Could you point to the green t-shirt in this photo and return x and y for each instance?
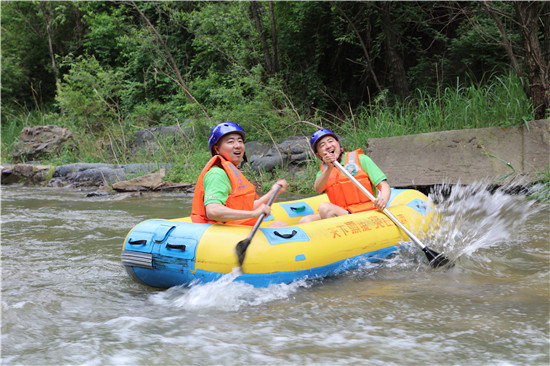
(217, 186)
(376, 175)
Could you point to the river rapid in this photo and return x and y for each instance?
(66, 299)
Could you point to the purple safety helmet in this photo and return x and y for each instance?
(319, 134)
(222, 129)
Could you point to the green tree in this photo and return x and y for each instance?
(310, 60)
(34, 37)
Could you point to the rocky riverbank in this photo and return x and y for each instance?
(498, 154)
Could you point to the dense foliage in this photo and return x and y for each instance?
(107, 69)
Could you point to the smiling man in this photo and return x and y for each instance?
(222, 193)
(344, 196)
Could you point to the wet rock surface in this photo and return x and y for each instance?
(38, 141)
(292, 151)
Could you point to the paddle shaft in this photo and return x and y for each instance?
(388, 213)
(243, 244)
(262, 216)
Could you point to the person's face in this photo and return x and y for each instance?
(328, 145)
(231, 147)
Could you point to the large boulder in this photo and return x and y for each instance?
(26, 173)
(86, 174)
(144, 183)
(152, 182)
(292, 151)
(35, 142)
(152, 139)
(149, 141)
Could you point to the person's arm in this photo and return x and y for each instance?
(320, 184)
(265, 198)
(379, 179)
(383, 197)
(221, 213)
(217, 188)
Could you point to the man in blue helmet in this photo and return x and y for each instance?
(222, 193)
(344, 196)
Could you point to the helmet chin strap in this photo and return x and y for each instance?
(223, 156)
(341, 155)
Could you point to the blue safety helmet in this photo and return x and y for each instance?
(319, 134)
(222, 129)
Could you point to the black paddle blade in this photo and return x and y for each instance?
(240, 249)
(436, 259)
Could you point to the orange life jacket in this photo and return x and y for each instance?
(241, 197)
(342, 192)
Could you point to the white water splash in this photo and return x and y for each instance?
(225, 294)
(473, 218)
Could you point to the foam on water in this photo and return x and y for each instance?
(67, 300)
(225, 294)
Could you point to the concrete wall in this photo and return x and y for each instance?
(464, 156)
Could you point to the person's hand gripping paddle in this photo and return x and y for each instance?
(243, 244)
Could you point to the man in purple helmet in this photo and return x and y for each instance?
(222, 193)
(344, 196)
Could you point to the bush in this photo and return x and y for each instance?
(90, 95)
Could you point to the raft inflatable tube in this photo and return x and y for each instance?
(166, 253)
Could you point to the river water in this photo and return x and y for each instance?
(66, 299)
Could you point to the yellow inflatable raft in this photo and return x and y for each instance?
(166, 253)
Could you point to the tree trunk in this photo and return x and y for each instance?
(362, 42)
(260, 28)
(546, 22)
(191, 99)
(395, 61)
(47, 15)
(536, 65)
(506, 43)
(274, 38)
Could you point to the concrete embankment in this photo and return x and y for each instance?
(497, 154)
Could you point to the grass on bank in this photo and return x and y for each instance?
(500, 103)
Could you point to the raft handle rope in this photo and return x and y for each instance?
(175, 246)
(286, 236)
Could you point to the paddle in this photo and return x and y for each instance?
(243, 244)
(436, 259)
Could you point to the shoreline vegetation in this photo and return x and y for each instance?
(107, 71)
(500, 103)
